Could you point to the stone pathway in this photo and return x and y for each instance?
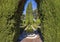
(36, 38)
(24, 38)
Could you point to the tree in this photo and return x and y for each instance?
(29, 18)
(29, 14)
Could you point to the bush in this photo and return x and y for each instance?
(29, 29)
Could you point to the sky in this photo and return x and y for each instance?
(34, 5)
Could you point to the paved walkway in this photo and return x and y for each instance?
(24, 38)
(32, 39)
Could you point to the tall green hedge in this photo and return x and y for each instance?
(49, 11)
(7, 9)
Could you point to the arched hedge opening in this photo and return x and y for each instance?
(10, 14)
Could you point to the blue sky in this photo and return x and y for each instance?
(34, 5)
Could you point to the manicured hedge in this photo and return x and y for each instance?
(50, 17)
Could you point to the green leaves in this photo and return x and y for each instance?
(50, 14)
(30, 17)
(7, 8)
(29, 29)
(29, 14)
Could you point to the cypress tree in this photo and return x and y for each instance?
(29, 14)
(29, 18)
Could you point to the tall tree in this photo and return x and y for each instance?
(29, 18)
(29, 14)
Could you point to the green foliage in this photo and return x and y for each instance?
(30, 17)
(29, 14)
(50, 12)
(7, 8)
(38, 22)
(29, 29)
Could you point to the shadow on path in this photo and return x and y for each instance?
(40, 33)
